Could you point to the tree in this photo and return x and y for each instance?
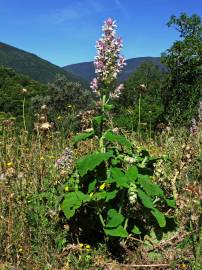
(184, 63)
(11, 85)
(63, 93)
(151, 102)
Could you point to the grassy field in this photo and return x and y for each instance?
(34, 234)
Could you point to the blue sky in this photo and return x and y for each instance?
(65, 31)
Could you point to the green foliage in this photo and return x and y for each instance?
(104, 179)
(11, 85)
(63, 93)
(73, 201)
(65, 100)
(91, 161)
(183, 86)
(82, 137)
(111, 137)
(151, 101)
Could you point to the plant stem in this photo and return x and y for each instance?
(150, 127)
(101, 219)
(139, 119)
(101, 141)
(23, 113)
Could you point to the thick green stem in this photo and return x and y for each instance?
(101, 141)
(101, 219)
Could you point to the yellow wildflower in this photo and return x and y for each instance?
(42, 158)
(102, 186)
(66, 188)
(87, 247)
(9, 164)
(81, 245)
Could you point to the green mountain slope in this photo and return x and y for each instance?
(86, 70)
(31, 65)
(11, 85)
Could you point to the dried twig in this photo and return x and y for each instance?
(139, 265)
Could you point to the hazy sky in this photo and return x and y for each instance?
(65, 31)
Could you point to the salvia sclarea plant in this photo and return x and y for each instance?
(111, 190)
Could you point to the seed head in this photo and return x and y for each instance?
(24, 91)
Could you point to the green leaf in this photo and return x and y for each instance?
(111, 195)
(160, 217)
(110, 136)
(72, 201)
(98, 119)
(114, 218)
(91, 186)
(132, 173)
(146, 200)
(150, 188)
(82, 136)
(136, 230)
(117, 232)
(108, 106)
(119, 177)
(91, 161)
(100, 196)
(171, 203)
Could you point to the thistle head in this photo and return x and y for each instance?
(24, 91)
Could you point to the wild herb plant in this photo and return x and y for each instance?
(111, 189)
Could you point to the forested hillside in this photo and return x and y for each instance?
(31, 65)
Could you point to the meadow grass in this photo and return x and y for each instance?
(34, 233)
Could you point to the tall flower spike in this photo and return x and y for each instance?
(108, 61)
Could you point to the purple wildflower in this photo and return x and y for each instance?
(65, 161)
(108, 61)
(200, 111)
(193, 128)
(116, 94)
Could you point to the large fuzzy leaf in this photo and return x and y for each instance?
(91, 161)
(119, 177)
(117, 232)
(120, 139)
(104, 195)
(160, 217)
(72, 201)
(150, 188)
(114, 218)
(132, 173)
(145, 199)
(82, 136)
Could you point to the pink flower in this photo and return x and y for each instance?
(193, 128)
(108, 61)
(200, 111)
(118, 91)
